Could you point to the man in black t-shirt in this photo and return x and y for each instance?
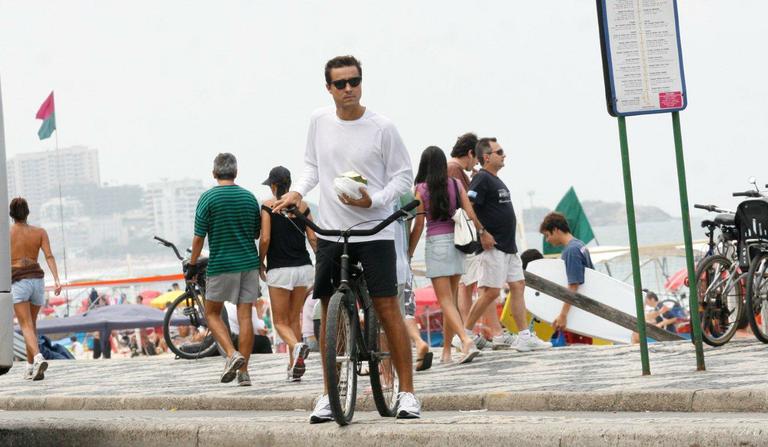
(499, 261)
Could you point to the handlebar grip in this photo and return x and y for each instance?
(410, 206)
(702, 207)
(161, 240)
(746, 194)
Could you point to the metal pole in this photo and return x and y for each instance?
(693, 299)
(61, 220)
(6, 303)
(634, 255)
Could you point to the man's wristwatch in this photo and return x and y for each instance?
(480, 231)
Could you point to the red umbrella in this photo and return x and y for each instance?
(57, 301)
(425, 296)
(677, 280)
(149, 294)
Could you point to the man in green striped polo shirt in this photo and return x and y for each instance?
(229, 216)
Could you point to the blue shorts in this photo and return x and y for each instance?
(29, 290)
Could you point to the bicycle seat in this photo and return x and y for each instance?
(725, 219)
(202, 263)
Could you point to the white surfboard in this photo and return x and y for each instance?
(598, 286)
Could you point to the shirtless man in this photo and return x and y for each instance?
(27, 281)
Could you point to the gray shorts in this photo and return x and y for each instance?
(237, 288)
(442, 257)
(30, 290)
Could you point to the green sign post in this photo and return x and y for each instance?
(643, 74)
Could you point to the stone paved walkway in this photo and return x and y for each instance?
(738, 366)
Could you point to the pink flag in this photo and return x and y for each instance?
(46, 109)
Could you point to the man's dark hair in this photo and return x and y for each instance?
(554, 220)
(19, 209)
(652, 296)
(529, 256)
(464, 144)
(483, 147)
(339, 62)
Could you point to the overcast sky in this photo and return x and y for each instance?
(160, 87)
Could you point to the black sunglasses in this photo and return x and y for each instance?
(499, 152)
(342, 83)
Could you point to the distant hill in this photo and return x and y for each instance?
(600, 213)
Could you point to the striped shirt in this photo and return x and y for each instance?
(229, 216)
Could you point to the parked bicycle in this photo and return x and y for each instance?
(185, 328)
(752, 225)
(353, 334)
(721, 283)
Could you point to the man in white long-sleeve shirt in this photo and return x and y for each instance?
(349, 137)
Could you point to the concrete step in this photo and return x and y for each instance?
(444, 429)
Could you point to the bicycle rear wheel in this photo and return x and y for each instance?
(757, 297)
(720, 300)
(186, 330)
(341, 359)
(384, 380)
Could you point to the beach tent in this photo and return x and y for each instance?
(106, 319)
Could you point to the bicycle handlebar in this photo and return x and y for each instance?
(747, 194)
(710, 208)
(170, 245)
(402, 212)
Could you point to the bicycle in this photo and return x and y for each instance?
(187, 313)
(752, 224)
(349, 341)
(720, 279)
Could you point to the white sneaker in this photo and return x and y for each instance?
(322, 412)
(408, 407)
(300, 352)
(456, 341)
(481, 342)
(504, 341)
(532, 343)
(28, 372)
(38, 367)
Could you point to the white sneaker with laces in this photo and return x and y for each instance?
(504, 341)
(408, 407)
(28, 372)
(38, 367)
(322, 412)
(532, 343)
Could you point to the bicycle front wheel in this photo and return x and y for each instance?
(185, 328)
(341, 359)
(720, 300)
(757, 297)
(384, 380)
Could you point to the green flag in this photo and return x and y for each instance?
(580, 229)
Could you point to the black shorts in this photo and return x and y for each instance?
(379, 266)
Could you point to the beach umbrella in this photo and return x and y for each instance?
(149, 294)
(677, 280)
(165, 298)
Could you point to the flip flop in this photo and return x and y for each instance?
(469, 356)
(425, 362)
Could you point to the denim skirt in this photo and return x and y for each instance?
(442, 257)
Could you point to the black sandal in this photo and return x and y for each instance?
(425, 362)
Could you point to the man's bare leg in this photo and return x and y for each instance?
(517, 304)
(246, 332)
(388, 310)
(487, 296)
(217, 326)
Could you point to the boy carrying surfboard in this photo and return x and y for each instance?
(576, 256)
